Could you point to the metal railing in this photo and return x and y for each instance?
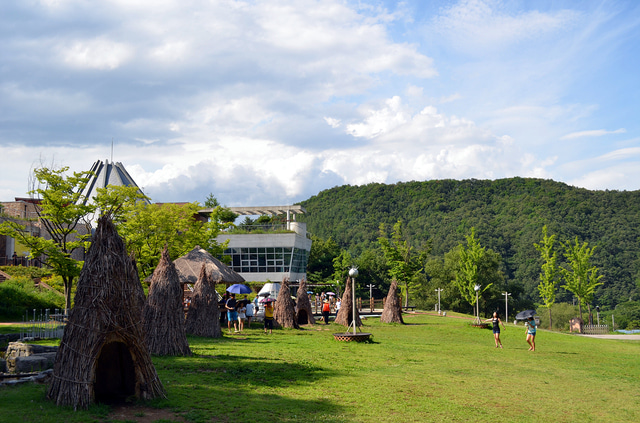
(44, 325)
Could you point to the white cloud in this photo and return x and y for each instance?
(98, 53)
(592, 133)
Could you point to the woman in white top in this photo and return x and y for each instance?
(242, 314)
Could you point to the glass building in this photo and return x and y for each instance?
(271, 252)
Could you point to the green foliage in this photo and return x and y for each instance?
(626, 315)
(475, 269)
(19, 294)
(549, 275)
(323, 252)
(581, 277)
(562, 312)
(404, 263)
(507, 215)
(26, 271)
(61, 209)
(147, 228)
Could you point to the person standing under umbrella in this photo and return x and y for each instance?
(268, 316)
(531, 333)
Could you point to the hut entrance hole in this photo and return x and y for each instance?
(115, 374)
(303, 319)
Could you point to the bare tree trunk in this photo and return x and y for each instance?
(406, 297)
(550, 326)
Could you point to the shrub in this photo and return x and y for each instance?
(26, 271)
(627, 315)
(19, 295)
(561, 313)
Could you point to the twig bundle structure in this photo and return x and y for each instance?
(203, 316)
(163, 317)
(103, 356)
(392, 312)
(304, 313)
(345, 314)
(284, 312)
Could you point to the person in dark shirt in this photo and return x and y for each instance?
(496, 328)
(232, 314)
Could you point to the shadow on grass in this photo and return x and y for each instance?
(233, 388)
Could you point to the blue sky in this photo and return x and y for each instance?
(265, 102)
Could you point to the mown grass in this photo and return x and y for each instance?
(432, 369)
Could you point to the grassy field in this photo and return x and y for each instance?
(432, 369)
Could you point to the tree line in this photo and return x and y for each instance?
(507, 217)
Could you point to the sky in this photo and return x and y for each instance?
(270, 102)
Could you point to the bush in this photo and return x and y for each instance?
(561, 313)
(28, 271)
(19, 295)
(627, 315)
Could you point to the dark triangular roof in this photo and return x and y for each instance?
(189, 266)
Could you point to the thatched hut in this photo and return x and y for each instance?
(304, 314)
(284, 312)
(392, 312)
(345, 315)
(203, 316)
(163, 316)
(103, 356)
(188, 267)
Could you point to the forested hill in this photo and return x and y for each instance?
(508, 215)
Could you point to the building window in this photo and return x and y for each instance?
(268, 259)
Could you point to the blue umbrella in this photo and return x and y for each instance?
(238, 288)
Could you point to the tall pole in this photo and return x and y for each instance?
(371, 290)
(439, 290)
(353, 272)
(506, 305)
(477, 289)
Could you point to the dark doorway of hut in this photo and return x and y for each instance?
(303, 319)
(115, 380)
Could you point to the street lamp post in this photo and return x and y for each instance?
(598, 314)
(506, 305)
(477, 288)
(439, 290)
(353, 272)
(371, 303)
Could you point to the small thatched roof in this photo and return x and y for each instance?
(189, 266)
(102, 354)
(345, 315)
(203, 315)
(392, 312)
(284, 312)
(163, 316)
(303, 305)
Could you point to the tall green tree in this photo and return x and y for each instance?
(320, 267)
(404, 261)
(61, 210)
(147, 228)
(549, 274)
(581, 277)
(477, 266)
(341, 266)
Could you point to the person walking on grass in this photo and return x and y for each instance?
(268, 317)
(531, 333)
(326, 311)
(242, 315)
(496, 328)
(232, 314)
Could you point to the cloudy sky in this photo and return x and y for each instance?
(269, 102)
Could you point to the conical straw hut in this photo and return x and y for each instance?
(392, 312)
(345, 314)
(163, 316)
(103, 356)
(203, 316)
(188, 267)
(303, 305)
(284, 312)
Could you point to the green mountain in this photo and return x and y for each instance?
(508, 215)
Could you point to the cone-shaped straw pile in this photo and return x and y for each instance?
(102, 354)
(163, 317)
(203, 316)
(392, 312)
(305, 314)
(284, 312)
(345, 314)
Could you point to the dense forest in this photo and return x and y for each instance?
(508, 216)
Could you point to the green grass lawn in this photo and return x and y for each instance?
(432, 369)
